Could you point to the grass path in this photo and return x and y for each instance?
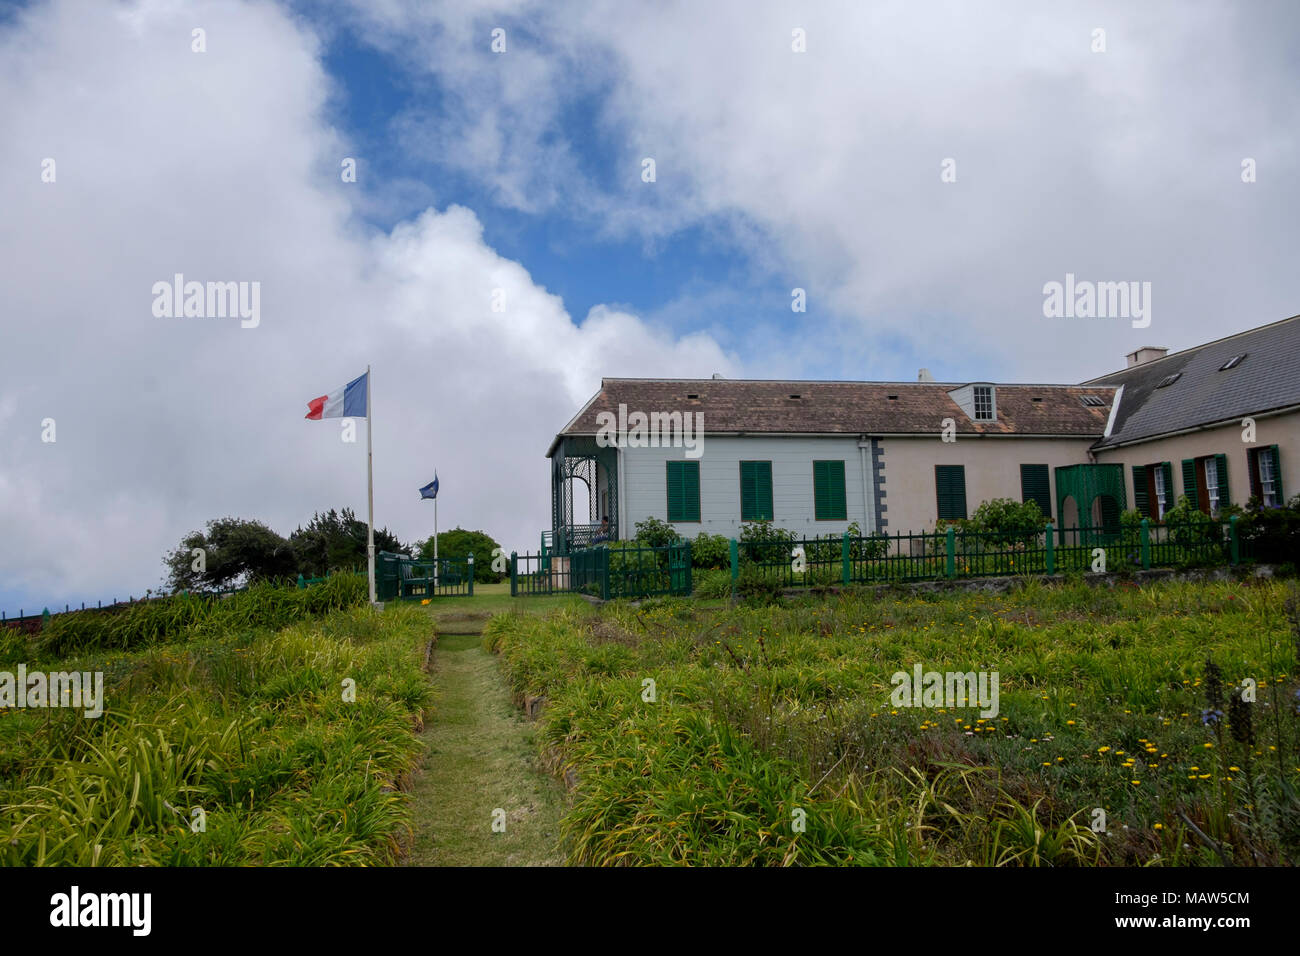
(480, 756)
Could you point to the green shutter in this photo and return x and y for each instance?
(691, 490)
(1221, 469)
(1140, 498)
(755, 490)
(683, 491)
(1189, 481)
(1035, 485)
(1277, 474)
(829, 499)
(950, 487)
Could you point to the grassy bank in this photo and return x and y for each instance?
(769, 734)
(238, 747)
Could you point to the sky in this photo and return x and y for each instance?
(920, 170)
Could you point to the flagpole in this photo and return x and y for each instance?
(435, 540)
(370, 490)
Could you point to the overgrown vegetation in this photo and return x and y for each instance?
(182, 616)
(238, 748)
(769, 734)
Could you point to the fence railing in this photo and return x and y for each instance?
(605, 571)
(399, 578)
(954, 553)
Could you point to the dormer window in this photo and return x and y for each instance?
(983, 403)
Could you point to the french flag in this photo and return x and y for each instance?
(346, 401)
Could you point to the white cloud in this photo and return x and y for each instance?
(222, 166)
(1122, 165)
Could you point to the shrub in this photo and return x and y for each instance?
(1192, 531)
(1273, 533)
(711, 551)
(1007, 521)
(653, 533)
(762, 541)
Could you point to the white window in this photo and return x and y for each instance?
(1267, 481)
(984, 403)
(1160, 492)
(1212, 484)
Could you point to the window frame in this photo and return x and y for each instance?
(975, 404)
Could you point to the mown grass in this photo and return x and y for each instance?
(772, 739)
(249, 726)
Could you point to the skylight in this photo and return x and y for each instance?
(1169, 380)
(1232, 362)
(1093, 401)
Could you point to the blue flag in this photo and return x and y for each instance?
(431, 489)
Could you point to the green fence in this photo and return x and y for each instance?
(399, 578)
(953, 553)
(617, 570)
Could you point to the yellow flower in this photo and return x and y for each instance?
(1102, 750)
(1159, 826)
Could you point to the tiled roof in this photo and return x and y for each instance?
(875, 408)
(1268, 378)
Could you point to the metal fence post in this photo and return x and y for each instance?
(1235, 543)
(471, 573)
(1051, 550)
(604, 573)
(1144, 536)
(845, 565)
(735, 565)
(951, 544)
(514, 574)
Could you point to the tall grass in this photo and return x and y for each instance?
(184, 615)
(245, 731)
(760, 712)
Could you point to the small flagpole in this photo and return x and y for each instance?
(435, 538)
(370, 490)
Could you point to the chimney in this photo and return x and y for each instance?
(717, 375)
(1147, 353)
(924, 375)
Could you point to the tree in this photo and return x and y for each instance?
(337, 540)
(233, 551)
(458, 543)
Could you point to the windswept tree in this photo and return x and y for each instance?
(230, 552)
(336, 540)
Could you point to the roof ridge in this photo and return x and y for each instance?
(1192, 349)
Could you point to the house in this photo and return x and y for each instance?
(894, 457)
(1219, 423)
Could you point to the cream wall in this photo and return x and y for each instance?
(1281, 430)
(992, 471)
